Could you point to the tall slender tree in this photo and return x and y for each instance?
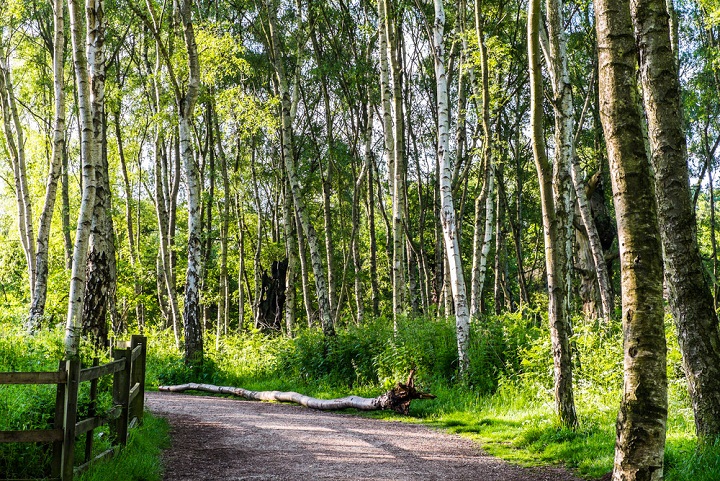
(448, 216)
(289, 162)
(641, 423)
(39, 298)
(89, 153)
(690, 297)
(15, 142)
(552, 199)
(186, 107)
(99, 296)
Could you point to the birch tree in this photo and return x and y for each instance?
(289, 162)
(552, 198)
(14, 139)
(447, 215)
(99, 297)
(186, 107)
(641, 423)
(39, 298)
(89, 153)
(392, 116)
(690, 296)
(482, 237)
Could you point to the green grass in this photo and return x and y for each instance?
(29, 407)
(140, 459)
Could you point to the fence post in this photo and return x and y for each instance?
(57, 456)
(121, 390)
(70, 418)
(92, 410)
(138, 376)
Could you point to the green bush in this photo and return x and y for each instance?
(345, 360)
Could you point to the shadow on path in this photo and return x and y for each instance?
(228, 439)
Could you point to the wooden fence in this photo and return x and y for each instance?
(128, 394)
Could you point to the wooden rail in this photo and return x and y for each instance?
(128, 391)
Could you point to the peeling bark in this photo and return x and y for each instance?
(89, 153)
(37, 308)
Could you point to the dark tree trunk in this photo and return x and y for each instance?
(690, 299)
(272, 297)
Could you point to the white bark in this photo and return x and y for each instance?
(399, 190)
(186, 107)
(397, 399)
(89, 152)
(452, 244)
(482, 246)
(99, 297)
(168, 279)
(482, 238)
(16, 146)
(553, 201)
(292, 257)
(39, 297)
(288, 157)
(392, 127)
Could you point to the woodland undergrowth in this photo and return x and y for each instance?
(504, 400)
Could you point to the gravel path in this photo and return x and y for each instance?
(224, 439)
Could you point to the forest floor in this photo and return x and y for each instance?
(225, 439)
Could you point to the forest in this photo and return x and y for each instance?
(516, 199)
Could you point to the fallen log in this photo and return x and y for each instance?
(397, 399)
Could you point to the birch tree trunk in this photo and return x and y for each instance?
(691, 301)
(39, 297)
(370, 201)
(101, 275)
(288, 157)
(399, 190)
(15, 142)
(595, 245)
(367, 120)
(186, 106)
(165, 195)
(65, 210)
(161, 202)
(452, 243)
(564, 144)
(132, 242)
(482, 238)
(291, 251)
(89, 152)
(257, 268)
(555, 258)
(223, 318)
(640, 442)
(565, 149)
(326, 173)
(386, 51)
(304, 275)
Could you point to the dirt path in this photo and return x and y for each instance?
(227, 439)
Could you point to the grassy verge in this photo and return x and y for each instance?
(28, 407)
(140, 459)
